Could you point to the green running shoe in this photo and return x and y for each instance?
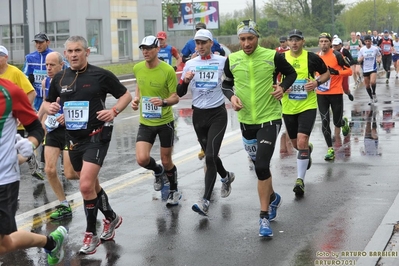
(299, 188)
(330, 155)
(345, 128)
(56, 255)
(61, 212)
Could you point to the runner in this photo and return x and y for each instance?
(386, 46)
(300, 102)
(203, 75)
(337, 45)
(154, 95)
(166, 51)
(395, 55)
(82, 90)
(257, 101)
(14, 104)
(329, 94)
(354, 47)
(369, 57)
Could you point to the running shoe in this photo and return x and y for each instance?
(387, 81)
(59, 236)
(264, 228)
(330, 155)
(201, 207)
(273, 207)
(41, 166)
(226, 184)
(109, 228)
(345, 128)
(375, 98)
(34, 168)
(173, 198)
(201, 154)
(158, 182)
(90, 244)
(371, 102)
(299, 188)
(61, 212)
(310, 156)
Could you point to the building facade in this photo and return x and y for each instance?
(113, 28)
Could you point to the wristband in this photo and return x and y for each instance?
(319, 82)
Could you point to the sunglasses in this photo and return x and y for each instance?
(147, 48)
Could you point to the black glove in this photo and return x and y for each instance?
(175, 68)
(333, 71)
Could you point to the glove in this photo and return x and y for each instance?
(175, 68)
(333, 71)
(23, 146)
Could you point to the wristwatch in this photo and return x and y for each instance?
(164, 103)
(319, 82)
(116, 111)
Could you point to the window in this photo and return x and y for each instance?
(57, 32)
(149, 27)
(94, 36)
(17, 37)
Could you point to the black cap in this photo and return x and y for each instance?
(200, 25)
(283, 39)
(367, 37)
(386, 31)
(295, 33)
(41, 37)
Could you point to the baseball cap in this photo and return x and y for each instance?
(248, 26)
(358, 34)
(367, 37)
(200, 25)
(335, 36)
(162, 35)
(325, 35)
(41, 37)
(150, 40)
(386, 31)
(3, 51)
(295, 33)
(336, 41)
(369, 31)
(203, 35)
(283, 39)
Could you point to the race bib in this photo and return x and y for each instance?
(325, 86)
(298, 91)
(51, 122)
(250, 147)
(148, 110)
(386, 48)
(76, 114)
(39, 75)
(206, 77)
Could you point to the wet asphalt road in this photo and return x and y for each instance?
(344, 204)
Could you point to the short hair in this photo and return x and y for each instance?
(77, 38)
(59, 56)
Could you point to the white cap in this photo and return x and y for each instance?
(336, 41)
(358, 34)
(335, 36)
(3, 50)
(150, 41)
(203, 35)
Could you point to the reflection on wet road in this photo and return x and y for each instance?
(344, 203)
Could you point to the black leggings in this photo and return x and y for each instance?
(386, 62)
(210, 126)
(266, 136)
(336, 102)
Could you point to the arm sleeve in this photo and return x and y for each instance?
(53, 92)
(186, 50)
(316, 64)
(228, 82)
(182, 88)
(21, 107)
(285, 68)
(348, 54)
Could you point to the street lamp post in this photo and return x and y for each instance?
(375, 22)
(254, 10)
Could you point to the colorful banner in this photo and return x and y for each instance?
(190, 14)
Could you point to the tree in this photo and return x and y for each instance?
(360, 16)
